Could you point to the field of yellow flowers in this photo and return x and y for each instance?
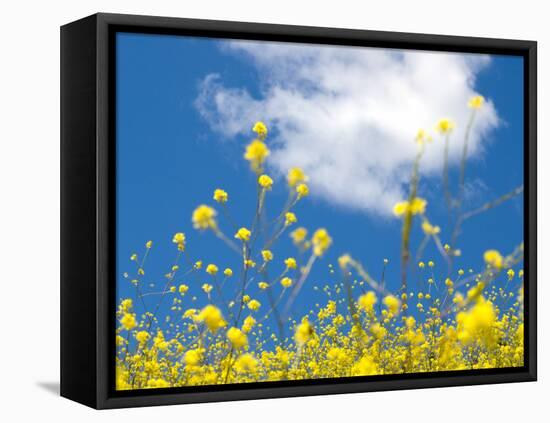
(242, 332)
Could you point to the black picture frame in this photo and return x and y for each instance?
(88, 209)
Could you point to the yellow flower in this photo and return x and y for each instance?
(243, 234)
(193, 357)
(128, 321)
(298, 235)
(237, 338)
(221, 196)
(256, 152)
(126, 305)
(142, 336)
(418, 205)
(421, 264)
(401, 208)
(183, 289)
(476, 102)
(296, 176)
(291, 263)
(302, 190)
(476, 323)
(445, 125)
(260, 129)
(254, 305)
(286, 282)
(212, 318)
(198, 265)
(267, 255)
(248, 324)
(422, 136)
(365, 367)
(246, 363)
(263, 285)
(207, 288)
(290, 218)
(344, 260)
(304, 332)
(430, 229)
(148, 244)
(179, 239)
(392, 303)
(265, 182)
(378, 330)
(212, 269)
(321, 241)
(249, 263)
(134, 257)
(367, 301)
(511, 274)
(228, 272)
(204, 217)
(494, 259)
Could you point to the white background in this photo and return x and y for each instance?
(29, 231)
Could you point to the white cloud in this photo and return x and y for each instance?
(348, 116)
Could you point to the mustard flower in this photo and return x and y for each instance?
(256, 152)
(321, 241)
(298, 235)
(304, 332)
(260, 129)
(204, 217)
(290, 218)
(212, 318)
(291, 263)
(445, 126)
(267, 255)
(392, 303)
(198, 265)
(248, 324)
(422, 137)
(254, 305)
(263, 285)
(265, 182)
(493, 258)
(249, 263)
(296, 176)
(142, 336)
(221, 196)
(286, 282)
(228, 272)
(237, 338)
(302, 190)
(128, 321)
(367, 301)
(430, 229)
(193, 357)
(476, 102)
(246, 363)
(243, 234)
(183, 289)
(207, 288)
(212, 269)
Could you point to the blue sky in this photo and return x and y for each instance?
(170, 158)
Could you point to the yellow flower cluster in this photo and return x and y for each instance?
(219, 332)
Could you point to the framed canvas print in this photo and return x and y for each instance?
(256, 211)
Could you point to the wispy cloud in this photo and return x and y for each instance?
(348, 116)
